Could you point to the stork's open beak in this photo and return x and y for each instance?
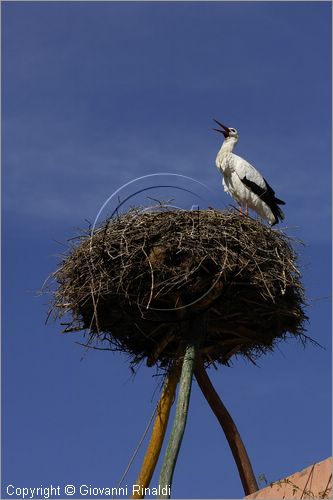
(225, 131)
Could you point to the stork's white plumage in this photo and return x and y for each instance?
(243, 182)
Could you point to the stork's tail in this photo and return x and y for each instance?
(280, 213)
(277, 212)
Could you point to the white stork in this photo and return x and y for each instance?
(243, 182)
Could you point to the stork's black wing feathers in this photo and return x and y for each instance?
(270, 190)
(267, 195)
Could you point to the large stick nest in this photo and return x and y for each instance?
(138, 281)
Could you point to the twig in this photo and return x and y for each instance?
(136, 451)
(152, 359)
(152, 279)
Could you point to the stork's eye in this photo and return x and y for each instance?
(233, 130)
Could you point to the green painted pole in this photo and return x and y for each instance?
(171, 454)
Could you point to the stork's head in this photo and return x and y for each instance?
(226, 131)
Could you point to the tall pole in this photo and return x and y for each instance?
(158, 432)
(229, 427)
(196, 332)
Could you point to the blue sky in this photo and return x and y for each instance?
(94, 95)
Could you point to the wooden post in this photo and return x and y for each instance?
(158, 432)
(229, 427)
(196, 332)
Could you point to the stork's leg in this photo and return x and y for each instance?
(240, 210)
(246, 209)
